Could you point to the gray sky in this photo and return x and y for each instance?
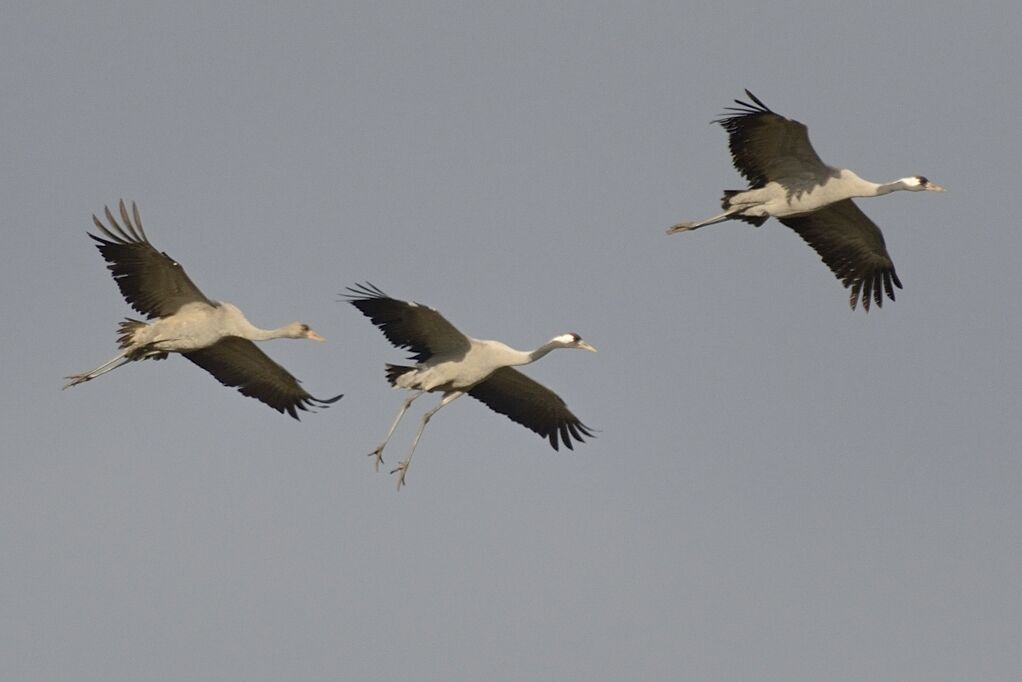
(781, 489)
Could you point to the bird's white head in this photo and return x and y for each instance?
(917, 183)
(299, 330)
(571, 340)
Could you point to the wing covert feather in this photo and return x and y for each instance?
(152, 282)
(420, 329)
(239, 363)
(853, 248)
(531, 404)
(766, 146)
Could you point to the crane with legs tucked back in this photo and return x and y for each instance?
(212, 334)
(787, 180)
(451, 363)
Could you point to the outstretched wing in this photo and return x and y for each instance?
(853, 248)
(419, 328)
(766, 146)
(238, 362)
(151, 281)
(532, 405)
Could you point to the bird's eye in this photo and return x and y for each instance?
(922, 180)
(305, 327)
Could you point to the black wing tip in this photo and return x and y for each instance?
(131, 233)
(386, 313)
(897, 282)
(732, 116)
(871, 289)
(758, 102)
(307, 404)
(567, 433)
(362, 291)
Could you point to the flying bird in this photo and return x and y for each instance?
(788, 181)
(212, 334)
(451, 363)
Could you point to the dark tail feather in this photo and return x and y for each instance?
(395, 371)
(725, 203)
(127, 330)
(752, 220)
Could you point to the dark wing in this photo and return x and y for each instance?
(152, 282)
(419, 328)
(532, 405)
(235, 361)
(853, 247)
(766, 146)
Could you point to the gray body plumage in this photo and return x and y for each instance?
(212, 334)
(788, 181)
(451, 363)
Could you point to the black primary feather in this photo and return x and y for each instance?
(857, 257)
(531, 404)
(237, 362)
(420, 329)
(152, 282)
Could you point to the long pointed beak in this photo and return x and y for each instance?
(314, 336)
(934, 187)
(585, 346)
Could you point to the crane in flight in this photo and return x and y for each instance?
(212, 334)
(453, 364)
(787, 180)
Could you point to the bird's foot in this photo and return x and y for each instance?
(401, 467)
(378, 454)
(76, 379)
(681, 227)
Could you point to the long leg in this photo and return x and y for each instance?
(108, 366)
(378, 452)
(403, 465)
(683, 227)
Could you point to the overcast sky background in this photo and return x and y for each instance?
(781, 488)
